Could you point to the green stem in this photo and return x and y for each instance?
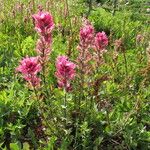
(43, 71)
(65, 103)
(114, 7)
(70, 24)
(41, 109)
(126, 66)
(90, 7)
(107, 117)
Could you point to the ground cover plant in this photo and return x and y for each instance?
(74, 75)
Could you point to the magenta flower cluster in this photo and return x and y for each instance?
(88, 38)
(30, 67)
(86, 34)
(43, 25)
(65, 72)
(101, 41)
(91, 47)
(65, 69)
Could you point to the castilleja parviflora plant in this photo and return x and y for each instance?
(35, 69)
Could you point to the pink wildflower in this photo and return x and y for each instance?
(85, 45)
(44, 25)
(43, 22)
(65, 72)
(30, 67)
(43, 50)
(86, 34)
(101, 40)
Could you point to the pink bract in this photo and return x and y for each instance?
(43, 48)
(65, 71)
(29, 67)
(33, 80)
(101, 40)
(44, 25)
(87, 33)
(43, 22)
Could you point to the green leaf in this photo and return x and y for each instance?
(14, 146)
(26, 146)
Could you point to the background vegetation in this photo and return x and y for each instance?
(114, 111)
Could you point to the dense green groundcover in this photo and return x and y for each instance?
(107, 109)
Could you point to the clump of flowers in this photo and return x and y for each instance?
(86, 34)
(91, 47)
(30, 67)
(65, 72)
(101, 41)
(43, 25)
(85, 44)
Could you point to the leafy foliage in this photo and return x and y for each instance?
(108, 109)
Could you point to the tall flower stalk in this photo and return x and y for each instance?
(43, 25)
(86, 36)
(65, 72)
(91, 49)
(101, 41)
